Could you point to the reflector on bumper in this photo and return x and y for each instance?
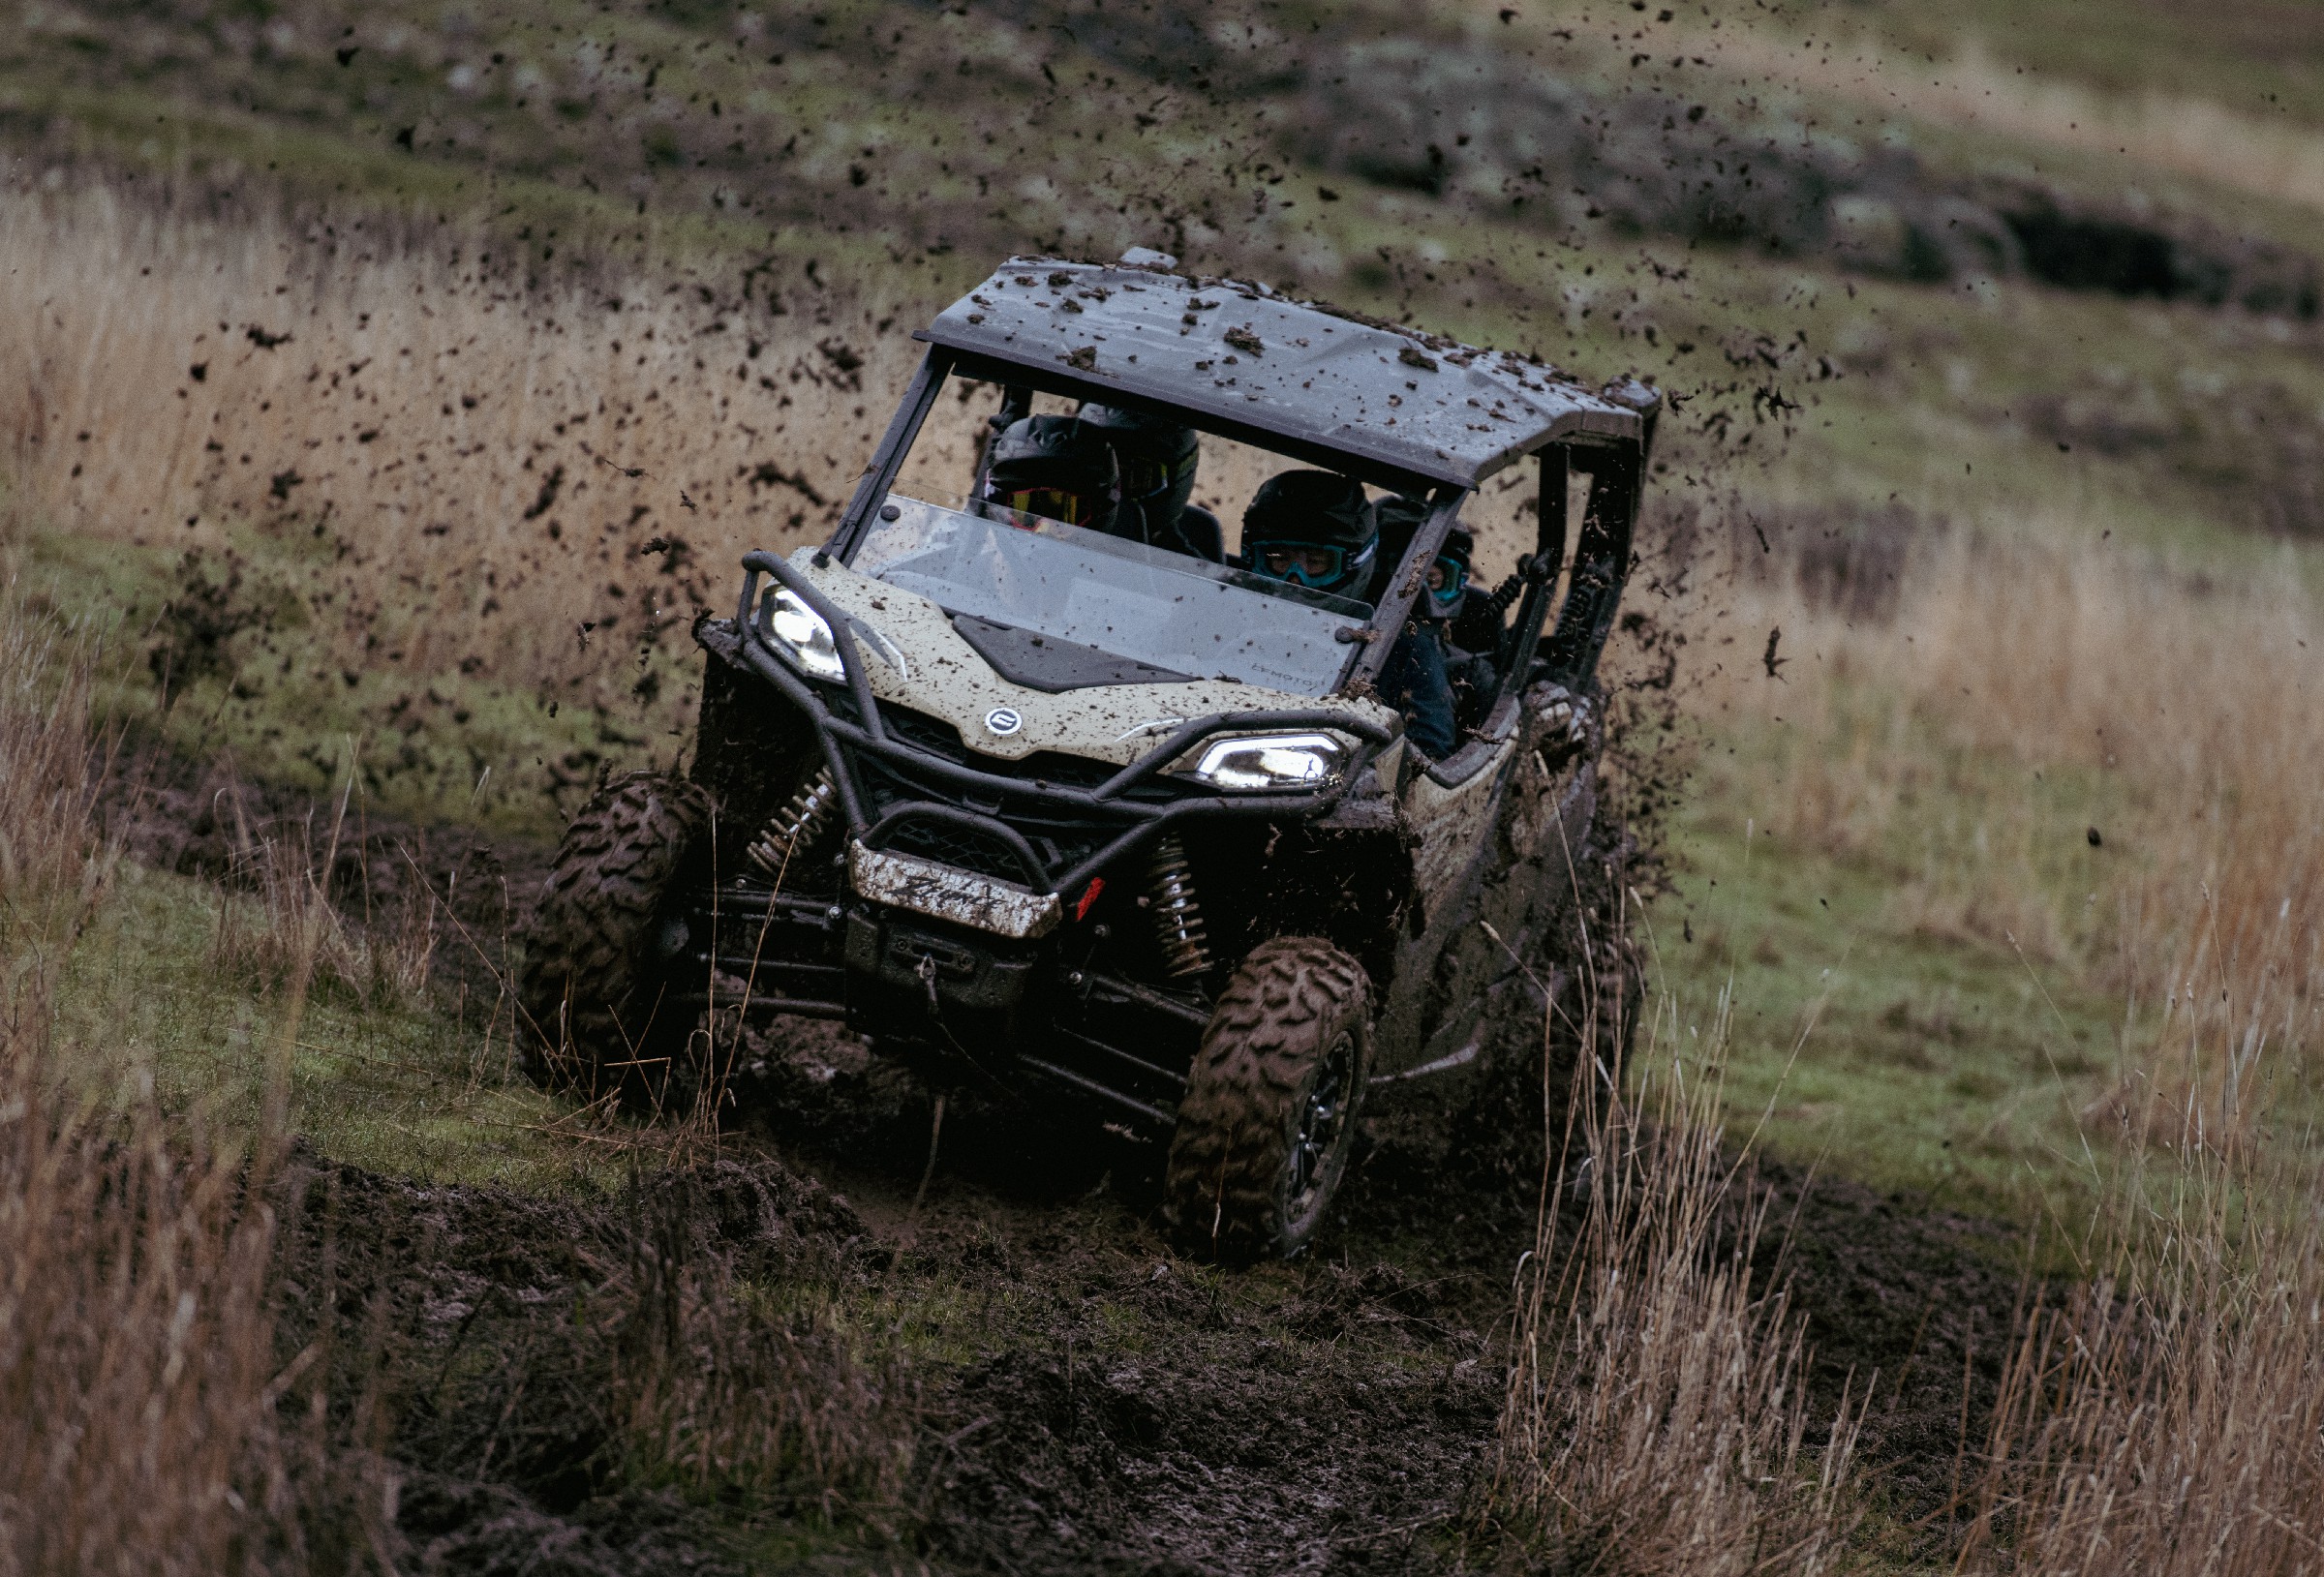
(983, 903)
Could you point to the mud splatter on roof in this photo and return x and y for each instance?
(1241, 354)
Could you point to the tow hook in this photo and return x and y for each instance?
(927, 971)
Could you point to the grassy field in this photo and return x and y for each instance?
(388, 387)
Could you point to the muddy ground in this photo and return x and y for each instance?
(1066, 1394)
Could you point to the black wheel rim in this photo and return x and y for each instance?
(1323, 1123)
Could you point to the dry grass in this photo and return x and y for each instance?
(49, 853)
(1975, 91)
(718, 1386)
(1656, 1419)
(450, 470)
(370, 437)
(278, 925)
(143, 1425)
(2183, 704)
(2165, 1418)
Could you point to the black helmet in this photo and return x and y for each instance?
(1158, 459)
(1397, 516)
(1058, 468)
(1313, 527)
(1444, 582)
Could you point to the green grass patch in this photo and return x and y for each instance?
(1920, 1004)
(425, 1090)
(250, 679)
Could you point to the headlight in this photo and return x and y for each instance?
(1270, 761)
(803, 636)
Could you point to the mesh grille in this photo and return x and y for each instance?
(961, 846)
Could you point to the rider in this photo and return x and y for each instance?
(1060, 468)
(1466, 621)
(1314, 528)
(1158, 458)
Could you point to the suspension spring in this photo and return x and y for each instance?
(1178, 913)
(794, 829)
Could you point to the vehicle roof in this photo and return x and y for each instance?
(1246, 357)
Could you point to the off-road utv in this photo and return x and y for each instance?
(1124, 830)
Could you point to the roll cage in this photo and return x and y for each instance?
(1614, 465)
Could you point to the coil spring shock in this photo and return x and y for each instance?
(1178, 913)
(791, 830)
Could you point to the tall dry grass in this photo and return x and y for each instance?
(449, 468)
(715, 1382)
(2187, 708)
(143, 1425)
(2164, 1417)
(1656, 1419)
(279, 927)
(383, 438)
(2160, 1417)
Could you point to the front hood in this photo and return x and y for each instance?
(914, 658)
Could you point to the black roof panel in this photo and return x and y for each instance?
(1246, 356)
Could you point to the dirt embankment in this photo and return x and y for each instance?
(1054, 1390)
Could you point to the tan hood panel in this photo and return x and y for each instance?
(943, 677)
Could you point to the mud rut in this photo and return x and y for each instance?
(1081, 1400)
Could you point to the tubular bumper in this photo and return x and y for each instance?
(844, 738)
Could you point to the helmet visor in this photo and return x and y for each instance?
(1052, 504)
(1308, 563)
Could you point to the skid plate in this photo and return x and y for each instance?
(965, 897)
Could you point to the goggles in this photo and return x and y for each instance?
(1448, 580)
(1320, 565)
(1052, 504)
(1143, 477)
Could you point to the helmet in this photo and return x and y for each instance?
(1398, 516)
(1313, 527)
(1158, 458)
(1058, 468)
(1445, 581)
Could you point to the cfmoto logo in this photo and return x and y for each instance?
(1003, 721)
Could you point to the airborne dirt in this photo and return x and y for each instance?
(1065, 1393)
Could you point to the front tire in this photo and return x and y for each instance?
(1269, 1119)
(609, 921)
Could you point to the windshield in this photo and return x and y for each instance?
(1165, 609)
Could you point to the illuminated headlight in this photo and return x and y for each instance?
(801, 635)
(1270, 761)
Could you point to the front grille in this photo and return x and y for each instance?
(965, 847)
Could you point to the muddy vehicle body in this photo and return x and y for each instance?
(1124, 830)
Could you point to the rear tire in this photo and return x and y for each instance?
(1269, 1120)
(609, 922)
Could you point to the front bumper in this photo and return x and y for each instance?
(888, 782)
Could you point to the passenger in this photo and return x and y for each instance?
(1469, 622)
(1478, 622)
(1058, 468)
(1398, 517)
(1472, 617)
(1464, 619)
(1158, 459)
(1314, 528)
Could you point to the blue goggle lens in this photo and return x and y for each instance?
(1304, 564)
